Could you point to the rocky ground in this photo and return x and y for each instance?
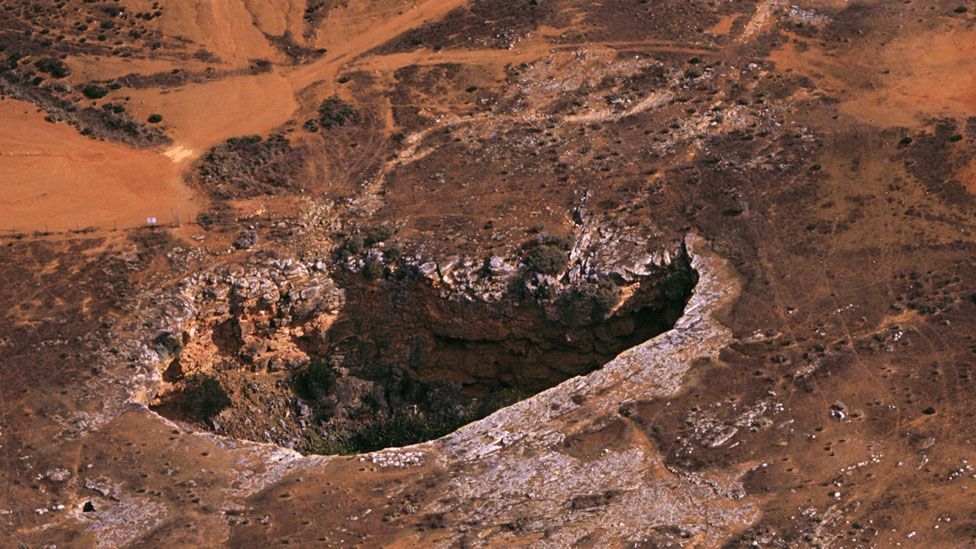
(625, 274)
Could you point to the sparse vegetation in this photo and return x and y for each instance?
(589, 303)
(378, 233)
(545, 259)
(55, 67)
(546, 255)
(354, 244)
(314, 382)
(94, 91)
(250, 166)
(849, 281)
(373, 269)
(336, 112)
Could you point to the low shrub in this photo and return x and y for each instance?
(244, 140)
(94, 91)
(315, 382)
(378, 233)
(588, 303)
(354, 244)
(545, 259)
(336, 112)
(393, 252)
(373, 269)
(55, 67)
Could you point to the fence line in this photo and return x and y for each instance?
(18, 234)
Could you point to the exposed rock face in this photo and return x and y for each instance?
(243, 339)
(567, 454)
(277, 351)
(588, 446)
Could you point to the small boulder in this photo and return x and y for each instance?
(246, 240)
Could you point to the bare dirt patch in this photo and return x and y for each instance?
(56, 179)
(922, 77)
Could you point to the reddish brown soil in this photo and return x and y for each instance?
(824, 149)
(55, 179)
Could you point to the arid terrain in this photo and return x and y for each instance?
(487, 273)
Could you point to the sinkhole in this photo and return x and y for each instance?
(372, 364)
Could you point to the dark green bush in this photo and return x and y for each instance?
(604, 298)
(55, 67)
(94, 91)
(546, 259)
(315, 381)
(378, 233)
(155, 118)
(336, 112)
(373, 269)
(352, 246)
(403, 428)
(393, 252)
